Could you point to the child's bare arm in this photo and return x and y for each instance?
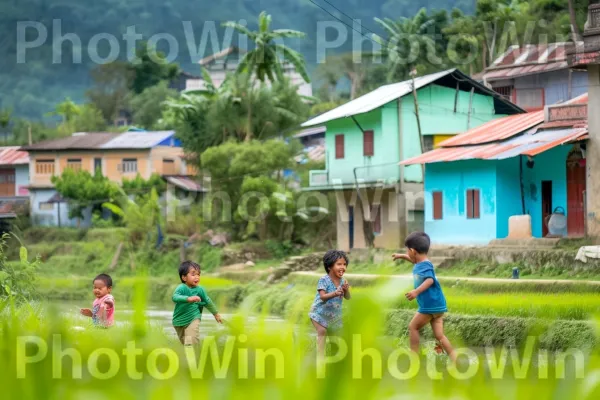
(423, 287)
(328, 296)
(86, 312)
(399, 256)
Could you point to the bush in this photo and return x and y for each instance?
(280, 249)
(209, 257)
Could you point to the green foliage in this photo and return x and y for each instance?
(264, 60)
(141, 217)
(209, 257)
(147, 107)
(110, 90)
(83, 189)
(279, 249)
(139, 186)
(150, 68)
(17, 279)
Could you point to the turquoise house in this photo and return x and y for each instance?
(529, 164)
(367, 138)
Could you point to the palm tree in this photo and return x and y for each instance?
(406, 40)
(264, 61)
(67, 109)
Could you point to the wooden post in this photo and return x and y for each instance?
(470, 105)
(414, 90)
(115, 259)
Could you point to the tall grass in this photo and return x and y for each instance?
(355, 376)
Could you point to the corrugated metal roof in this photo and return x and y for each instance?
(78, 141)
(497, 129)
(528, 144)
(313, 153)
(310, 131)
(527, 60)
(505, 127)
(12, 155)
(137, 140)
(185, 183)
(376, 98)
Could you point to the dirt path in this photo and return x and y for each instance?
(460, 278)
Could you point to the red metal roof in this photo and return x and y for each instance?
(498, 129)
(13, 156)
(185, 183)
(506, 127)
(528, 144)
(527, 60)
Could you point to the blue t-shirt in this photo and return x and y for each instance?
(432, 300)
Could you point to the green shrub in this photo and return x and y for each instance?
(209, 257)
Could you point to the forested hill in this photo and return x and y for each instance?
(35, 79)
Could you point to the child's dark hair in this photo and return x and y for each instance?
(184, 268)
(104, 278)
(331, 257)
(419, 241)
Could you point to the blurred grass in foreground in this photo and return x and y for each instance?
(374, 366)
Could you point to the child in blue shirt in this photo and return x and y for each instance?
(427, 291)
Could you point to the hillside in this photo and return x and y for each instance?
(34, 80)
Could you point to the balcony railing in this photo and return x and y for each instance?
(318, 178)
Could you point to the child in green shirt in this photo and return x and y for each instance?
(190, 299)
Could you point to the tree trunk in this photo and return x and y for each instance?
(574, 27)
(249, 132)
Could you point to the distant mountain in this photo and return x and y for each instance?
(37, 69)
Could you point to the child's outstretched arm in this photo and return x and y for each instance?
(399, 256)
(211, 307)
(423, 287)
(328, 296)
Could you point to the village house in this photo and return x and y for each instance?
(226, 62)
(366, 138)
(530, 165)
(14, 180)
(117, 156)
(535, 75)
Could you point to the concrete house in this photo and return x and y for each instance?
(530, 165)
(118, 156)
(367, 137)
(533, 76)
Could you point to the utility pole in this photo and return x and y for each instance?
(413, 73)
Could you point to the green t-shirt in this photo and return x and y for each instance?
(185, 312)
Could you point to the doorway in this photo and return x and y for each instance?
(575, 195)
(546, 205)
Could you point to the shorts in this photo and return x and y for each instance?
(190, 334)
(434, 316)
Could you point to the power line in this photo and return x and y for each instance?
(347, 16)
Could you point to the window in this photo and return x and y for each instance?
(504, 91)
(44, 167)
(129, 165)
(368, 144)
(97, 164)
(168, 166)
(473, 204)
(46, 206)
(376, 218)
(339, 146)
(74, 164)
(437, 205)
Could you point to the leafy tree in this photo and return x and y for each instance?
(68, 110)
(139, 186)
(111, 88)
(5, 116)
(408, 44)
(147, 106)
(150, 68)
(83, 189)
(264, 60)
(90, 119)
